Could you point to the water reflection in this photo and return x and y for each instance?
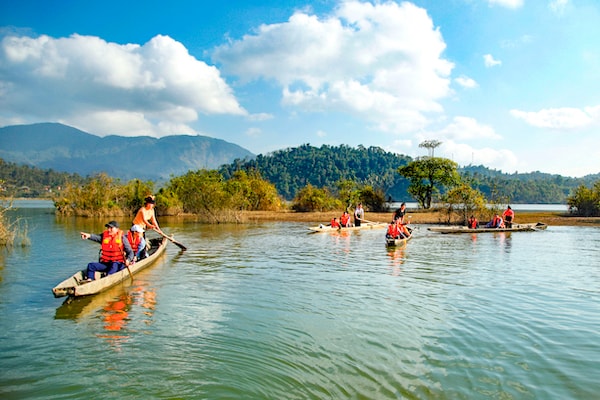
(118, 308)
(396, 255)
(115, 315)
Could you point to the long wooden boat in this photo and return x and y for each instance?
(75, 285)
(537, 226)
(367, 225)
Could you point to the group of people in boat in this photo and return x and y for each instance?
(397, 229)
(119, 249)
(504, 221)
(345, 220)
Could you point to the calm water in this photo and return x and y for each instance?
(269, 311)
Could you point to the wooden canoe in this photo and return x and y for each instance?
(368, 225)
(389, 242)
(74, 286)
(537, 226)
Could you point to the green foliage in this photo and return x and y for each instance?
(462, 201)
(429, 176)
(310, 198)
(251, 192)
(585, 201)
(292, 169)
(214, 199)
(101, 196)
(534, 187)
(26, 181)
(372, 199)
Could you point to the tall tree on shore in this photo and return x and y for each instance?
(428, 176)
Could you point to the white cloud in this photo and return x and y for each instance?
(382, 62)
(561, 118)
(507, 3)
(466, 128)
(558, 6)
(253, 132)
(501, 159)
(466, 82)
(260, 117)
(107, 88)
(489, 61)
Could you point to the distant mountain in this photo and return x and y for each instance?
(64, 148)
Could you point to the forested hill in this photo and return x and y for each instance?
(293, 168)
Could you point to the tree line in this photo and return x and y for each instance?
(310, 178)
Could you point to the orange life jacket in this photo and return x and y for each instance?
(497, 222)
(112, 247)
(344, 219)
(134, 241)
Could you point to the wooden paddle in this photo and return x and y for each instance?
(128, 270)
(182, 247)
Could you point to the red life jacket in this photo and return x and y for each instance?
(393, 230)
(134, 241)
(344, 219)
(112, 247)
(497, 222)
(335, 224)
(473, 224)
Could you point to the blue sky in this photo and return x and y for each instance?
(510, 84)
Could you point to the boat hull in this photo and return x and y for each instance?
(396, 242)
(75, 287)
(515, 228)
(327, 228)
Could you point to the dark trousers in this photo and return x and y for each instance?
(110, 267)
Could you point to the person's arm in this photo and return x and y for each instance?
(91, 236)
(128, 250)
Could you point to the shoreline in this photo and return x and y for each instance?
(551, 218)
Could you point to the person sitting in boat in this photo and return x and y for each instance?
(115, 253)
(496, 222)
(473, 223)
(393, 232)
(334, 223)
(135, 237)
(397, 231)
(509, 216)
(345, 220)
(403, 229)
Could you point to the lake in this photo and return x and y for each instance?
(270, 311)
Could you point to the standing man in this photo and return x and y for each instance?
(509, 216)
(145, 217)
(359, 214)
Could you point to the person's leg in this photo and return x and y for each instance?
(93, 267)
(114, 267)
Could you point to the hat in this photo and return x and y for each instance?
(150, 200)
(136, 228)
(113, 224)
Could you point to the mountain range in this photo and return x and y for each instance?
(63, 148)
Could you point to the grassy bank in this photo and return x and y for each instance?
(418, 217)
